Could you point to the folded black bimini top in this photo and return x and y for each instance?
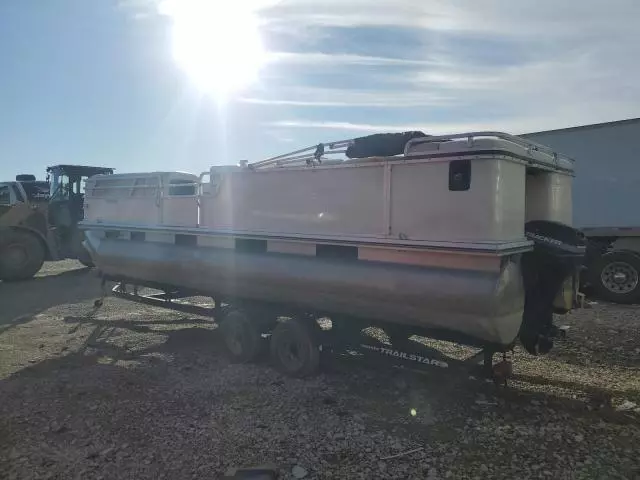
(381, 144)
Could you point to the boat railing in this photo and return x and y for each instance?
(529, 145)
(162, 199)
(162, 188)
(305, 156)
(316, 154)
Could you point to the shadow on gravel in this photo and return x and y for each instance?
(98, 349)
(47, 403)
(597, 397)
(197, 336)
(134, 401)
(612, 339)
(20, 301)
(625, 357)
(197, 348)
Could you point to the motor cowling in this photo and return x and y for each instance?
(550, 273)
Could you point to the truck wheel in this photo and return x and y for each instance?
(295, 349)
(616, 277)
(21, 256)
(242, 337)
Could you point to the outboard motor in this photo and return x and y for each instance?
(550, 273)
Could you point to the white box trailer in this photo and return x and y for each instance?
(607, 167)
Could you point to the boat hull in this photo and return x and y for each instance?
(485, 305)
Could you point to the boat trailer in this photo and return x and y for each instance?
(299, 342)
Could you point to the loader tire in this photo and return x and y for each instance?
(21, 256)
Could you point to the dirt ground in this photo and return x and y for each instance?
(135, 392)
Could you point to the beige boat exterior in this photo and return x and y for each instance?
(432, 239)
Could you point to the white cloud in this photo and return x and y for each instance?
(342, 59)
(561, 92)
(542, 18)
(578, 69)
(572, 62)
(515, 126)
(548, 18)
(432, 14)
(336, 97)
(374, 128)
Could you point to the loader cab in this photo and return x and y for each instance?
(66, 196)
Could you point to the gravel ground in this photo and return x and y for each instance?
(135, 392)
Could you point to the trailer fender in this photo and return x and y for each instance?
(628, 244)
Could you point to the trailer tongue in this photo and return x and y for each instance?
(459, 237)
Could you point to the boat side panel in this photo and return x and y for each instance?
(413, 200)
(346, 201)
(424, 207)
(549, 197)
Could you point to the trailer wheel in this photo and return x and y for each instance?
(21, 256)
(616, 277)
(295, 347)
(242, 337)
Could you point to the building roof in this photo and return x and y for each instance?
(585, 127)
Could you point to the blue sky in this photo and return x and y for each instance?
(97, 82)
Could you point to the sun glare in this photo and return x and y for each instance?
(216, 43)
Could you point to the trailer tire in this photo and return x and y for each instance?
(616, 277)
(295, 347)
(242, 337)
(21, 255)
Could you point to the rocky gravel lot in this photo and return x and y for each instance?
(135, 392)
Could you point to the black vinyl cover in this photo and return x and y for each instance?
(381, 144)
